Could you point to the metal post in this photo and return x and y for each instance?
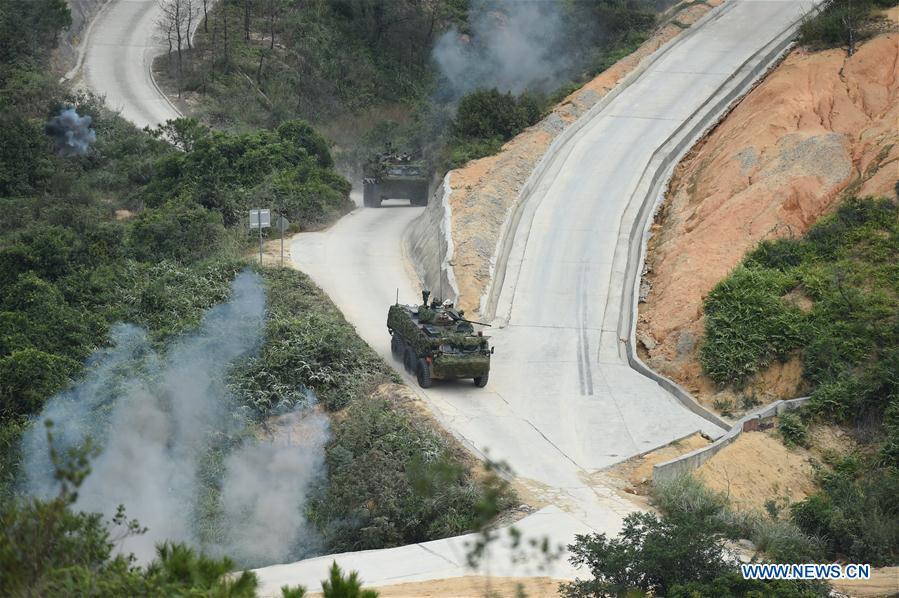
(260, 238)
(281, 226)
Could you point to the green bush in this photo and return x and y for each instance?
(793, 431)
(748, 325)
(392, 480)
(28, 376)
(848, 338)
(856, 513)
(25, 160)
(840, 23)
(339, 586)
(488, 114)
(686, 499)
(485, 119)
(681, 556)
(177, 231)
(651, 555)
(309, 345)
(230, 173)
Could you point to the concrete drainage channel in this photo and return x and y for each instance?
(650, 194)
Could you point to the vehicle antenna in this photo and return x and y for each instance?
(439, 270)
(397, 295)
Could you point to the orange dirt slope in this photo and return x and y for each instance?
(819, 125)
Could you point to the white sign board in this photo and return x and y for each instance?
(282, 223)
(261, 218)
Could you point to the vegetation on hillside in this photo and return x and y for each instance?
(831, 297)
(147, 227)
(842, 23)
(364, 71)
(683, 552)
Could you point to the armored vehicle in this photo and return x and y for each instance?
(394, 175)
(435, 342)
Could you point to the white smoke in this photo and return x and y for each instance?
(265, 485)
(513, 46)
(73, 133)
(157, 416)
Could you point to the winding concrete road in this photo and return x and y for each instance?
(123, 41)
(563, 401)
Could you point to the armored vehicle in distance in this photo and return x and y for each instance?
(394, 175)
(435, 342)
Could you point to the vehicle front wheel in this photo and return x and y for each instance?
(423, 374)
(481, 381)
(396, 347)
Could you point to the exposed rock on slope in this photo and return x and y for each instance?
(819, 125)
(485, 190)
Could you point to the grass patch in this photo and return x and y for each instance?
(841, 24)
(686, 499)
(848, 339)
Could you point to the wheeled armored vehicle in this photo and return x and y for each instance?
(436, 342)
(395, 175)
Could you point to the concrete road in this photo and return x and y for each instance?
(120, 50)
(562, 401)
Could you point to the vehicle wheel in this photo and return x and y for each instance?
(481, 381)
(423, 374)
(397, 347)
(409, 360)
(421, 200)
(370, 196)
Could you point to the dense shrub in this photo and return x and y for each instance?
(651, 555)
(24, 159)
(686, 499)
(230, 173)
(748, 325)
(682, 552)
(309, 345)
(848, 340)
(485, 119)
(488, 114)
(792, 429)
(849, 336)
(392, 480)
(180, 231)
(840, 23)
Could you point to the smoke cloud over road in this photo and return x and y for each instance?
(161, 419)
(513, 46)
(73, 133)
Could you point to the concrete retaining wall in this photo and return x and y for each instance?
(429, 245)
(754, 421)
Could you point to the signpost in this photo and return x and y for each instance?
(260, 219)
(282, 224)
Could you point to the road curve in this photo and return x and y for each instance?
(119, 54)
(562, 402)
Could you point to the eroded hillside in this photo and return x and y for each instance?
(819, 126)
